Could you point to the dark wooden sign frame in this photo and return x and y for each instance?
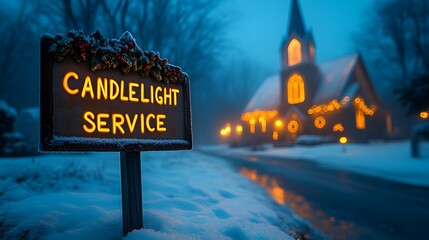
(49, 143)
(130, 148)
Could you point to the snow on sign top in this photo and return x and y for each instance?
(101, 94)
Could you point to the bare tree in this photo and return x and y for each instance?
(65, 15)
(186, 32)
(8, 45)
(395, 40)
(238, 82)
(395, 44)
(16, 58)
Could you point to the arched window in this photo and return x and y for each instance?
(360, 119)
(295, 89)
(294, 52)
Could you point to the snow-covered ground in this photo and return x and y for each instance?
(186, 195)
(390, 160)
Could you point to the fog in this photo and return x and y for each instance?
(227, 47)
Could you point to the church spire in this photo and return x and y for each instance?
(298, 45)
(296, 23)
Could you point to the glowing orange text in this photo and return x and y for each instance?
(117, 123)
(111, 89)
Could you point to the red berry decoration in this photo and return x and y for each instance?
(111, 53)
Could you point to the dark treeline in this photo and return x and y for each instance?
(395, 43)
(188, 33)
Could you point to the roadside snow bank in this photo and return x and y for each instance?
(391, 160)
(185, 195)
(189, 195)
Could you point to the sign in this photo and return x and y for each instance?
(108, 95)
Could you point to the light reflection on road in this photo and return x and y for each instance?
(335, 228)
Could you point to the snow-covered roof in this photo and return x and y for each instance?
(267, 97)
(335, 78)
(293, 109)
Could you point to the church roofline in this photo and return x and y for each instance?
(350, 54)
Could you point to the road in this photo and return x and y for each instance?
(341, 204)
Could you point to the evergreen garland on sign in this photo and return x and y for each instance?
(123, 53)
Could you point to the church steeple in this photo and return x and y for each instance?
(298, 45)
(296, 23)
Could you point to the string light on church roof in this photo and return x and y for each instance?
(329, 107)
(257, 114)
(359, 103)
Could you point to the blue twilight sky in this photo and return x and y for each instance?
(260, 25)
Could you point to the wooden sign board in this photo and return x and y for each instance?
(109, 109)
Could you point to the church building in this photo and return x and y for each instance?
(333, 98)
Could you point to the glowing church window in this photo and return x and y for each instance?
(295, 89)
(294, 52)
(360, 119)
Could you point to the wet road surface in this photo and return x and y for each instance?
(341, 204)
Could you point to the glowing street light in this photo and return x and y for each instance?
(228, 128)
(223, 132)
(343, 141)
(278, 123)
(424, 115)
(239, 129)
